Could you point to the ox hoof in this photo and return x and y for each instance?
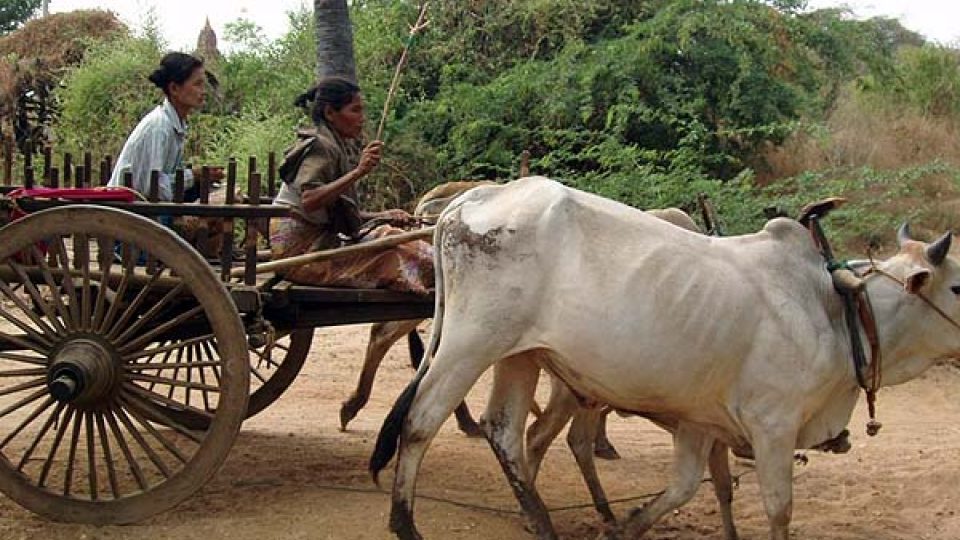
(606, 451)
(347, 413)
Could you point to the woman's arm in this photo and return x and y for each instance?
(325, 195)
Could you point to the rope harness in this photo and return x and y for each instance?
(856, 307)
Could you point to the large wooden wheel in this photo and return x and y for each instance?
(273, 368)
(99, 310)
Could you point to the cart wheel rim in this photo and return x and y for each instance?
(86, 379)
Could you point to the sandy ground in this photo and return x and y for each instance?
(293, 475)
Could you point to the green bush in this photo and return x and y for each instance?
(104, 98)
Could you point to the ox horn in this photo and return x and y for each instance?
(937, 251)
(903, 234)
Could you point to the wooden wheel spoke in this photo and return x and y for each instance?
(26, 422)
(23, 307)
(61, 430)
(265, 358)
(151, 453)
(59, 249)
(151, 313)
(81, 248)
(138, 368)
(256, 373)
(125, 450)
(145, 402)
(27, 329)
(22, 386)
(36, 440)
(150, 353)
(37, 297)
(22, 343)
(22, 358)
(25, 401)
(176, 373)
(188, 384)
(72, 454)
(105, 262)
(108, 456)
(134, 306)
(160, 329)
(36, 372)
(128, 269)
(147, 425)
(91, 457)
(203, 377)
(210, 348)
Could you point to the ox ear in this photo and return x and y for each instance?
(937, 251)
(916, 280)
(903, 234)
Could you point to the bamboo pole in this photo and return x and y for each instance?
(395, 83)
(327, 254)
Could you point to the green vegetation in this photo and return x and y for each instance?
(649, 102)
(13, 13)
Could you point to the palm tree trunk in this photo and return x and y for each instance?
(334, 39)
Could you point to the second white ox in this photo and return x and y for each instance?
(739, 339)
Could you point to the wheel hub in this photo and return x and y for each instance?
(83, 372)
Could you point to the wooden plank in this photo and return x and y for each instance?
(315, 315)
(250, 244)
(226, 227)
(272, 175)
(344, 295)
(67, 169)
(87, 170)
(235, 211)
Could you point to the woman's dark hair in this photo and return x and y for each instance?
(334, 91)
(174, 67)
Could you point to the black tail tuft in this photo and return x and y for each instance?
(389, 435)
(415, 346)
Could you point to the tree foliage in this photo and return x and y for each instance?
(645, 101)
(14, 13)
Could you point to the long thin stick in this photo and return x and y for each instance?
(395, 83)
(365, 247)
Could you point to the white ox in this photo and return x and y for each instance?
(737, 339)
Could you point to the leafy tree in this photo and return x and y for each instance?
(13, 13)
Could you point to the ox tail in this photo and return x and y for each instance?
(415, 346)
(389, 437)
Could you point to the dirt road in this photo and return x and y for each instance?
(293, 475)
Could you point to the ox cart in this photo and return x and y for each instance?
(128, 360)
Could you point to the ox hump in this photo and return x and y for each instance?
(787, 230)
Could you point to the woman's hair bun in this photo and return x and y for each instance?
(159, 78)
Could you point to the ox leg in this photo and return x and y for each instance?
(602, 447)
(514, 383)
(723, 487)
(690, 451)
(561, 405)
(465, 420)
(445, 384)
(580, 438)
(382, 337)
(774, 462)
